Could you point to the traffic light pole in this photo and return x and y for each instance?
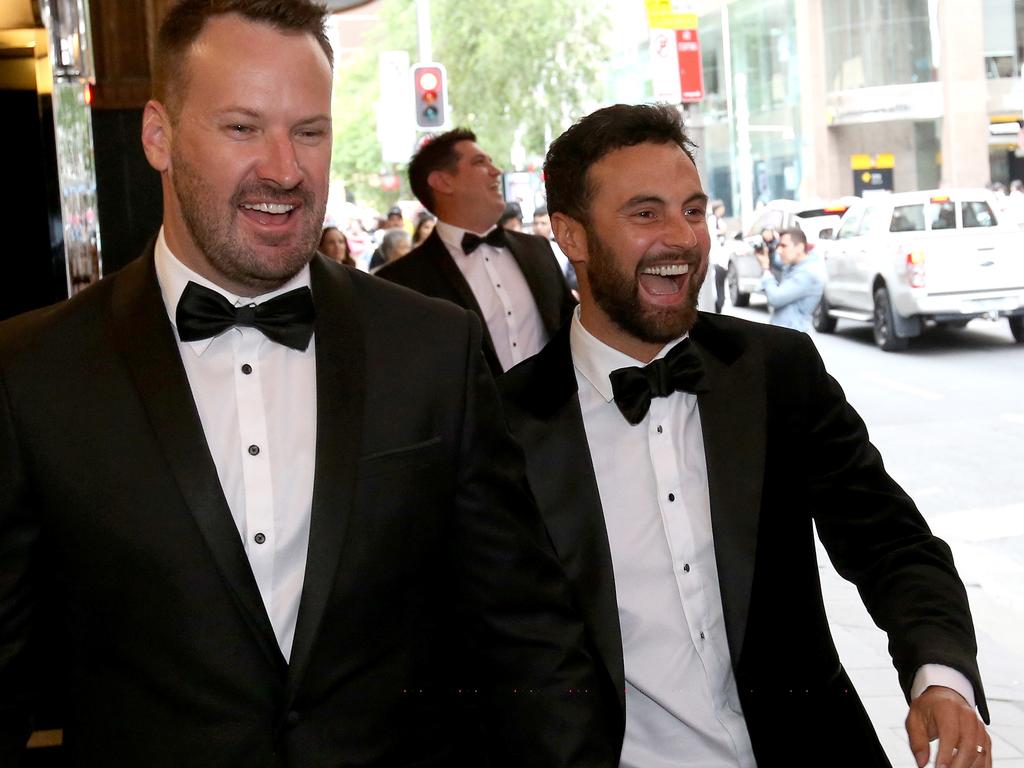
(423, 24)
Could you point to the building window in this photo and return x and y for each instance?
(877, 42)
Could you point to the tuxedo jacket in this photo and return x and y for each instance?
(429, 580)
(431, 270)
(784, 450)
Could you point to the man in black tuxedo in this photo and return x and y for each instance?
(280, 506)
(511, 280)
(699, 479)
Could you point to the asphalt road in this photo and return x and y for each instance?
(948, 418)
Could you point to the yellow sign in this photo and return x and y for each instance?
(660, 15)
(867, 162)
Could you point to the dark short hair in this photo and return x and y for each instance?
(795, 235)
(512, 211)
(438, 154)
(185, 22)
(570, 156)
(540, 210)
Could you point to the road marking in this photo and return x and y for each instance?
(1016, 418)
(906, 389)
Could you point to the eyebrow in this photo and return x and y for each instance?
(648, 199)
(252, 113)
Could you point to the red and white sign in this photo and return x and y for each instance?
(676, 71)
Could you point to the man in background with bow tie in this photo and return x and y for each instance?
(511, 280)
(276, 498)
(680, 459)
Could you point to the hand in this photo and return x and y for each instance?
(943, 713)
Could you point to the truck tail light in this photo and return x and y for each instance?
(915, 269)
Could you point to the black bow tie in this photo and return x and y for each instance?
(495, 237)
(286, 319)
(680, 370)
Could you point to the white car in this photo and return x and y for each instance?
(911, 260)
(810, 216)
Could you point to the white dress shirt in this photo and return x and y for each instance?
(257, 403)
(503, 294)
(682, 705)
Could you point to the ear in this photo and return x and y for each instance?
(571, 237)
(440, 181)
(156, 135)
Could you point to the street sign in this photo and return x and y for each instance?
(677, 73)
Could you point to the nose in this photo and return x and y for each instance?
(680, 231)
(279, 164)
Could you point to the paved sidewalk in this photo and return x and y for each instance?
(992, 583)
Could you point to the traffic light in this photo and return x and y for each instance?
(430, 89)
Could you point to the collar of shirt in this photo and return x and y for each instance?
(173, 276)
(595, 360)
(451, 236)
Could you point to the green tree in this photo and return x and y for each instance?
(523, 70)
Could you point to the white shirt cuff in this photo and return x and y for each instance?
(939, 674)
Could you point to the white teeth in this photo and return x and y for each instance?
(669, 270)
(268, 207)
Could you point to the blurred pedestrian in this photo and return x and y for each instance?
(424, 227)
(795, 294)
(512, 217)
(334, 245)
(719, 254)
(395, 244)
(510, 279)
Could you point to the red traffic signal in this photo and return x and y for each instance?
(430, 95)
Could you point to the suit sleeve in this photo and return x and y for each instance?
(541, 685)
(877, 539)
(18, 537)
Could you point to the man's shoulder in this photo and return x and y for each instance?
(381, 299)
(411, 267)
(530, 243)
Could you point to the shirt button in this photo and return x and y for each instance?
(514, 344)
(246, 369)
(259, 538)
(254, 450)
(509, 314)
(701, 635)
(292, 718)
(660, 430)
(671, 497)
(499, 285)
(686, 568)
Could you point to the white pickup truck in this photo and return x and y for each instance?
(910, 260)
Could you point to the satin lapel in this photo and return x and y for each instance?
(732, 416)
(340, 395)
(446, 267)
(528, 256)
(547, 421)
(145, 339)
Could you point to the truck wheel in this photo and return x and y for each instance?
(1017, 328)
(736, 297)
(885, 331)
(822, 321)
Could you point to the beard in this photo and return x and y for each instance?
(262, 265)
(617, 294)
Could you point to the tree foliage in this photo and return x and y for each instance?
(522, 70)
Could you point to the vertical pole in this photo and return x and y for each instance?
(423, 25)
